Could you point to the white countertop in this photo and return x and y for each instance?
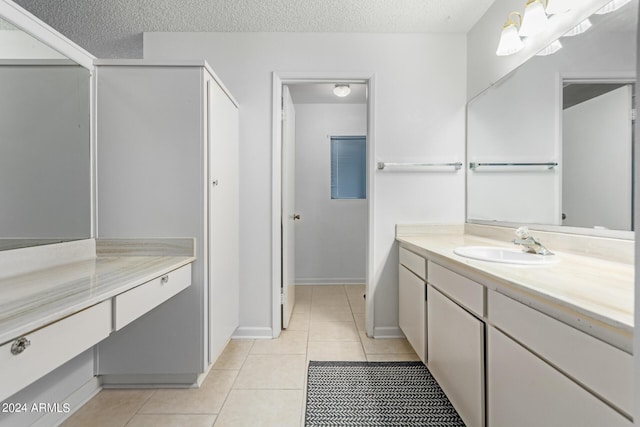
(591, 294)
(35, 299)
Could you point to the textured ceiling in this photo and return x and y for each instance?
(270, 15)
(103, 22)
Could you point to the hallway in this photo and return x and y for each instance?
(256, 382)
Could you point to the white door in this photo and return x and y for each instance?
(288, 214)
(223, 249)
(597, 161)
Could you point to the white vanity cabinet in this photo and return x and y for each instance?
(412, 308)
(35, 354)
(130, 305)
(523, 390)
(456, 341)
(503, 363)
(552, 372)
(167, 166)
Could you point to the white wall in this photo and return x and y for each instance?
(419, 115)
(331, 236)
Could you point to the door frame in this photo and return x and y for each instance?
(283, 78)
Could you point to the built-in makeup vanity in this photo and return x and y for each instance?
(73, 295)
(118, 234)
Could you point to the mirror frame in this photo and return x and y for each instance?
(30, 24)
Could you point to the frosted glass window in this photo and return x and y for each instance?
(348, 167)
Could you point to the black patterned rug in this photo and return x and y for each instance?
(385, 394)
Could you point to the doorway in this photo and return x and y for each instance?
(317, 215)
(597, 153)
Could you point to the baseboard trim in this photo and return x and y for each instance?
(387, 332)
(252, 333)
(331, 281)
(150, 381)
(75, 400)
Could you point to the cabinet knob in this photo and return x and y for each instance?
(296, 217)
(20, 345)
(214, 183)
(164, 279)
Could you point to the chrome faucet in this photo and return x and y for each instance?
(530, 244)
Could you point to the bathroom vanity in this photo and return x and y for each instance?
(79, 294)
(525, 345)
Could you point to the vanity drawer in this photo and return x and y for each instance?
(413, 262)
(132, 304)
(51, 346)
(600, 367)
(465, 292)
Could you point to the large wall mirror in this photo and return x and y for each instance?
(552, 143)
(45, 125)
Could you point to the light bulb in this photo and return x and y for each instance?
(534, 20)
(510, 42)
(341, 90)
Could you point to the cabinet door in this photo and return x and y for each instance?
(523, 390)
(224, 293)
(412, 310)
(456, 355)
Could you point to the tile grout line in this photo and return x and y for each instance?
(226, 397)
(140, 408)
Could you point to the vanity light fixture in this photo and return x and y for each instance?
(555, 7)
(510, 41)
(551, 49)
(535, 18)
(612, 6)
(579, 29)
(341, 90)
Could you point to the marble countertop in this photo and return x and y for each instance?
(35, 299)
(591, 294)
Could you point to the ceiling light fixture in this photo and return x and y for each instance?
(551, 49)
(612, 6)
(535, 19)
(341, 90)
(510, 42)
(579, 29)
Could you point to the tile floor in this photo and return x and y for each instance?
(256, 382)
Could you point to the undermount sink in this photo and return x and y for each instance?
(504, 255)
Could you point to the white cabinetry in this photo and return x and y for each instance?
(167, 166)
(130, 305)
(503, 363)
(412, 301)
(456, 354)
(525, 391)
(596, 365)
(27, 358)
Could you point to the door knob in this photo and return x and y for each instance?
(296, 216)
